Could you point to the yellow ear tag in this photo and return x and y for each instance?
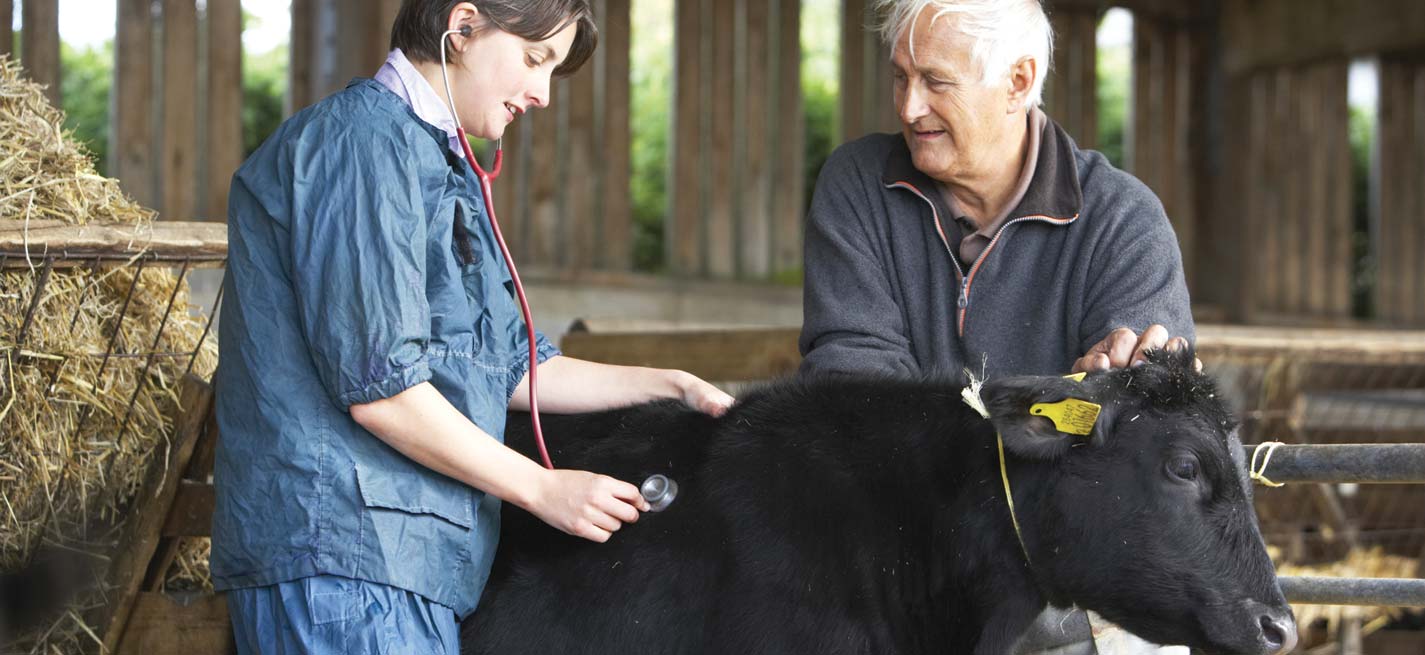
(1070, 415)
(1077, 377)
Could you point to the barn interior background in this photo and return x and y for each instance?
(1286, 139)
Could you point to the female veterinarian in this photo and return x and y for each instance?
(370, 348)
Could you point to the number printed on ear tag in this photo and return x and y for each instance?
(1070, 415)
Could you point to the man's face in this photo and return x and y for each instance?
(955, 126)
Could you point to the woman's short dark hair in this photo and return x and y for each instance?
(420, 23)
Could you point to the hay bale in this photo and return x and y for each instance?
(78, 429)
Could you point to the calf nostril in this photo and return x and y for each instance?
(1279, 635)
(1272, 633)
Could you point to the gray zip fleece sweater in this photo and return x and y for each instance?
(1088, 249)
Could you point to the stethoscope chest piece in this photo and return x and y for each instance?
(659, 490)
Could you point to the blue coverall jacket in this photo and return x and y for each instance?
(360, 264)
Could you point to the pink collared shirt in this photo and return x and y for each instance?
(402, 78)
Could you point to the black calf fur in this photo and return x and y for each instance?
(868, 516)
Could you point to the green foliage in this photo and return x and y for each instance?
(264, 83)
(821, 50)
(85, 79)
(1115, 73)
(1362, 130)
(650, 99)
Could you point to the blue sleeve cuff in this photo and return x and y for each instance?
(543, 350)
(399, 380)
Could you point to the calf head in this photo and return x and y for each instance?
(1148, 518)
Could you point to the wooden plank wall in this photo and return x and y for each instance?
(736, 201)
(563, 196)
(1071, 91)
(40, 44)
(1294, 192)
(177, 137)
(1168, 59)
(866, 86)
(1400, 228)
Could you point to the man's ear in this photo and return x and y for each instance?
(1032, 413)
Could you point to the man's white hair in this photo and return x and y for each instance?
(1002, 31)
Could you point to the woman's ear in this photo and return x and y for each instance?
(466, 20)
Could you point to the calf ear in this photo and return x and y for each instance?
(1029, 433)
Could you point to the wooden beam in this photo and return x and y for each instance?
(179, 163)
(163, 625)
(7, 34)
(727, 355)
(789, 202)
(511, 188)
(543, 237)
(1071, 92)
(755, 196)
(1258, 34)
(224, 152)
(614, 46)
(682, 236)
(1399, 292)
(40, 45)
(192, 512)
(581, 211)
(301, 56)
(853, 73)
(205, 243)
(719, 185)
(145, 523)
(132, 107)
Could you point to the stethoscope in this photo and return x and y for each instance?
(658, 489)
(486, 192)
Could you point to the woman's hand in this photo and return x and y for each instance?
(585, 504)
(700, 395)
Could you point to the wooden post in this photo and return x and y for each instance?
(7, 34)
(40, 45)
(145, 525)
(1167, 63)
(511, 187)
(682, 237)
(224, 23)
(789, 203)
(179, 163)
(1071, 92)
(546, 179)
(580, 212)
(720, 185)
(617, 251)
(755, 195)
(301, 56)
(132, 156)
(853, 73)
(1400, 293)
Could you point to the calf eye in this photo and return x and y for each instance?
(1183, 468)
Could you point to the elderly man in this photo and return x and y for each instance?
(982, 237)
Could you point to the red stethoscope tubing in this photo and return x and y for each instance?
(485, 192)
